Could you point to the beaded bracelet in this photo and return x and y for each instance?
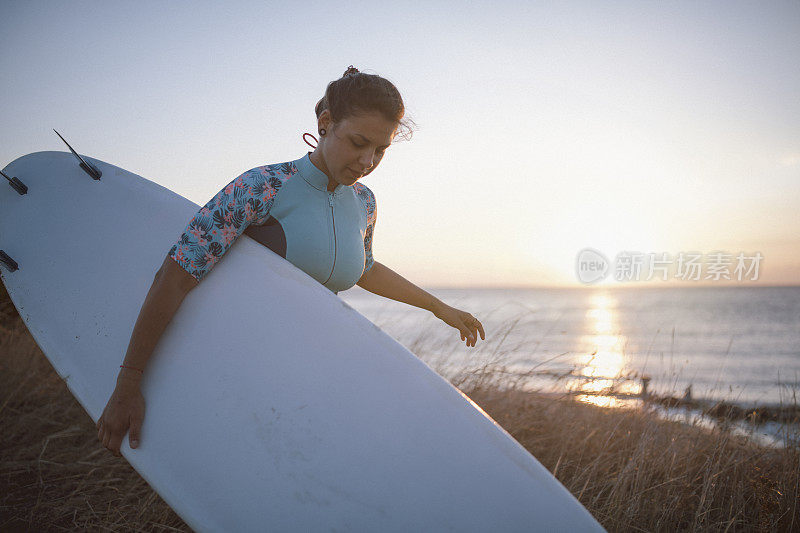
(132, 367)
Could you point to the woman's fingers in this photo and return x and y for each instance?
(470, 338)
(473, 335)
(114, 443)
(125, 411)
(480, 328)
(476, 327)
(466, 334)
(106, 437)
(109, 436)
(467, 325)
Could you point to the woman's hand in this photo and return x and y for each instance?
(465, 323)
(125, 409)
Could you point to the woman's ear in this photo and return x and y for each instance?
(324, 121)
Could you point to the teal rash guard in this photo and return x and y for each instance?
(326, 234)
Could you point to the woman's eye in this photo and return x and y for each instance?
(378, 151)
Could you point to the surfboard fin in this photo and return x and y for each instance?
(85, 165)
(20, 187)
(7, 261)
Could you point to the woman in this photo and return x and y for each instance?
(311, 211)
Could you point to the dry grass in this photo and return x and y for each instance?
(54, 474)
(633, 471)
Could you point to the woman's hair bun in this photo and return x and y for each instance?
(350, 70)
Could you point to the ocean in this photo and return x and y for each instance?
(738, 344)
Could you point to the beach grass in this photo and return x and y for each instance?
(633, 470)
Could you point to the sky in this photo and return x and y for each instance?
(542, 128)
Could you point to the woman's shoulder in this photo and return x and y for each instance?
(273, 173)
(264, 180)
(367, 197)
(363, 191)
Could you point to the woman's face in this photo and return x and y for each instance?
(353, 147)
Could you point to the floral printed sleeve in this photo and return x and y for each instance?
(368, 198)
(211, 232)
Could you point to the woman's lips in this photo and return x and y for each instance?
(355, 174)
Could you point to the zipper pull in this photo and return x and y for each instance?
(330, 198)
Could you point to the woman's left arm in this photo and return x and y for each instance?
(383, 281)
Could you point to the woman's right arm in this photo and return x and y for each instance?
(207, 237)
(125, 408)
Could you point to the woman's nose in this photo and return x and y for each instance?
(366, 160)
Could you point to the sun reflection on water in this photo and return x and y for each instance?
(602, 368)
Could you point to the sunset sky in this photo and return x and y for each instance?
(543, 128)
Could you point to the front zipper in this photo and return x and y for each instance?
(333, 222)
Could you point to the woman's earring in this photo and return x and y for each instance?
(322, 131)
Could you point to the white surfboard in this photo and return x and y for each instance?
(271, 405)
